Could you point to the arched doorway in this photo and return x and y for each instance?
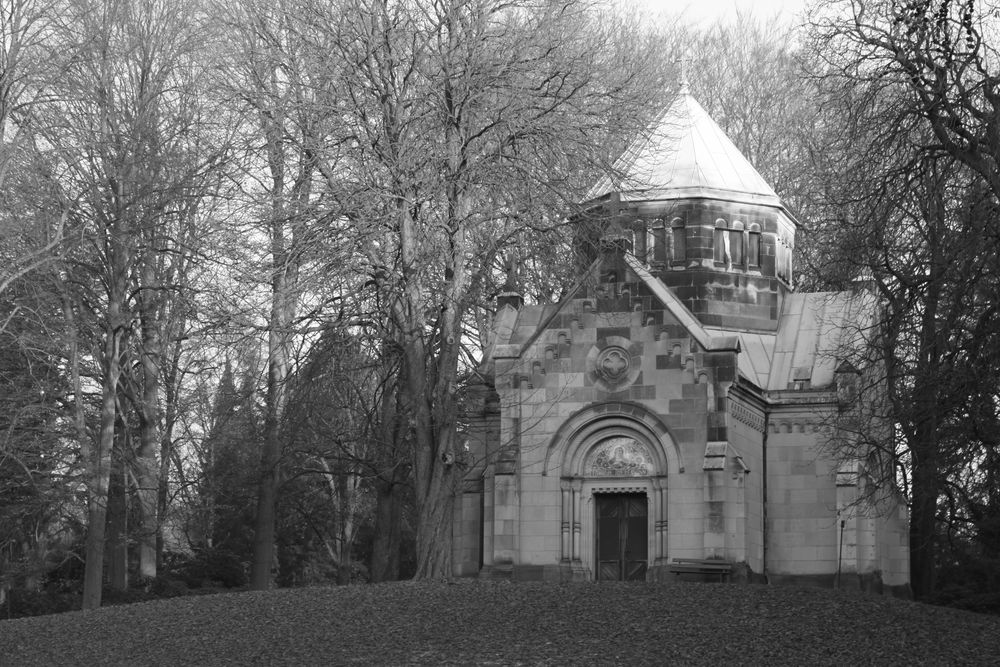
(613, 461)
(621, 530)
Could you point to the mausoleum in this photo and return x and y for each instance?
(681, 401)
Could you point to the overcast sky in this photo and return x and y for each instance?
(706, 11)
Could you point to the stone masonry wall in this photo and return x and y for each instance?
(670, 376)
(802, 525)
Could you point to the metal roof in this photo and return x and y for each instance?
(815, 332)
(756, 354)
(685, 154)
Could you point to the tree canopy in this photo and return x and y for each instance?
(250, 252)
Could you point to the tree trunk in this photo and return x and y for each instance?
(434, 530)
(267, 501)
(430, 386)
(167, 437)
(923, 522)
(392, 438)
(147, 473)
(162, 495)
(433, 471)
(73, 348)
(925, 443)
(388, 533)
(433, 457)
(100, 464)
(117, 557)
(924, 495)
(282, 305)
(284, 206)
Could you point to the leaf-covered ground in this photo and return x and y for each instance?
(500, 623)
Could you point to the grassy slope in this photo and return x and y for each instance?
(490, 623)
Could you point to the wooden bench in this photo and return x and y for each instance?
(723, 568)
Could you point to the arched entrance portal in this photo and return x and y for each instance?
(613, 461)
(621, 531)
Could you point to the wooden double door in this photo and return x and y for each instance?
(622, 536)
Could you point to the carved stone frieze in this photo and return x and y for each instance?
(745, 415)
(798, 424)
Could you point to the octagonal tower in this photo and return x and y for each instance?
(701, 217)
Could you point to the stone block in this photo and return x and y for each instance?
(686, 545)
(804, 467)
(615, 318)
(642, 393)
(715, 540)
(532, 532)
(503, 542)
(532, 504)
(716, 433)
(582, 395)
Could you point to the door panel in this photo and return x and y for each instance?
(622, 532)
(609, 517)
(636, 539)
(609, 571)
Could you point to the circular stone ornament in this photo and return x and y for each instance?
(614, 363)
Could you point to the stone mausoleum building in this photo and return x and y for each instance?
(677, 403)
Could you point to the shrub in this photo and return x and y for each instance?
(22, 602)
(209, 567)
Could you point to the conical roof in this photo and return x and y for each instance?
(685, 154)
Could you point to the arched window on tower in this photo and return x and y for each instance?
(779, 258)
(753, 247)
(736, 245)
(728, 244)
(639, 241)
(675, 241)
(658, 242)
(783, 259)
(788, 263)
(720, 242)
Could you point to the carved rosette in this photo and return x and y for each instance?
(614, 363)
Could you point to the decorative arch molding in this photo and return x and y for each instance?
(567, 451)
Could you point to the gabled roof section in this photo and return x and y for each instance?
(816, 331)
(815, 334)
(517, 331)
(724, 341)
(685, 154)
(756, 354)
(522, 328)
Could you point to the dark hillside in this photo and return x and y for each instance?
(490, 623)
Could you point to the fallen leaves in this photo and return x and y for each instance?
(491, 623)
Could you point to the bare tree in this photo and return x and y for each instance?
(27, 65)
(463, 115)
(123, 142)
(942, 53)
(911, 197)
(285, 128)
